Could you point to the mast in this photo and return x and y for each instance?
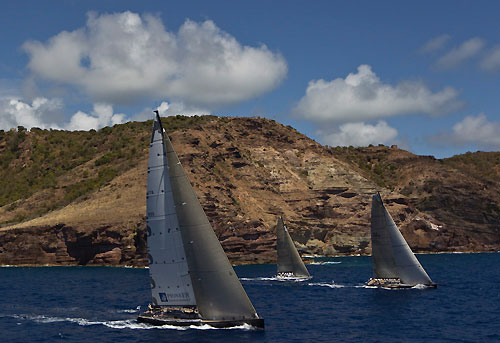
(171, 283)
(404, 263)
(289, 260)
(217, 289)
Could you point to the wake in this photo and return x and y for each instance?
(274, 278)
(122, 324)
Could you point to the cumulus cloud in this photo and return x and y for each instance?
(101, 116)
(460, 54)
(42, 113)
(476, 130)
(362, 96)
(434, 44)
(170, 109)
(176, 108)
(123, 57)
(491, 61)
(48, 113)
(360, 134)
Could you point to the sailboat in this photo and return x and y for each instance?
(192, 281)
(395, 265)
(290, 265)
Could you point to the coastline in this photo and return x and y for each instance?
(307, 260)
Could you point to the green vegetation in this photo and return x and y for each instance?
(372, 162)
(49, 159)
(482, 165)
(182, 122)
(70, 165)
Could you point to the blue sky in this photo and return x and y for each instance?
(421, 75)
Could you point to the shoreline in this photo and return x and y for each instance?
(234, 265)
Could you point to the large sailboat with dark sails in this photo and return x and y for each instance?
(289, 263)
(394, 264)
(192, 281)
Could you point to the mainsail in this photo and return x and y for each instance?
(168, 269)
(289, 260)
(392, 257)
(200, 262)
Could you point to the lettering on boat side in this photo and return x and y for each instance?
(164, 297)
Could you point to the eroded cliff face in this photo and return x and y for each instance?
(246, 172)
(65, 245)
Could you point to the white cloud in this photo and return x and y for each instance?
(462, 53)
(101, 116)
(473, 130)
(491, 61)
(360, 134)
(42, 113)
(170, 109)
(434, 44)
(123, 57)
(176, 108)
(362, 96)
(48, 113)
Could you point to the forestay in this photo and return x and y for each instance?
(217, 289)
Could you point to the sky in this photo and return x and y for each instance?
(423, 75)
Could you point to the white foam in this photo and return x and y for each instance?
(322, 263)
(136, 310)
(420, 286)
(275, 278)
(324, 284)
(132, 324)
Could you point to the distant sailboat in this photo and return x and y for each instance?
(395, 265)
(290, 265)
(192, 281)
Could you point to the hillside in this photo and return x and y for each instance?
(461, 192)
(79, 197)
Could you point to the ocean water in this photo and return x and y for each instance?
(100, 304)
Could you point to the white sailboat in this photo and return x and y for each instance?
(395, 265)
(192, 281)
(289, 263)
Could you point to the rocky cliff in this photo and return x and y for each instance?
(86, 199)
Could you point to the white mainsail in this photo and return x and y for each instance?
(168, 269)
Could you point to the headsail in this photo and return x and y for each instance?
(171, 283)
(392, 256)
(217, 289)
(289, 260)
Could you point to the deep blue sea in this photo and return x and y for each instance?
(100, 304)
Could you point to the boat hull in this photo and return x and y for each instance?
(159, 321)
(293, 278)
(393, 284)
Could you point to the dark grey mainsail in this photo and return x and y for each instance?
(289, 260)
(392, 257)
(218, 292)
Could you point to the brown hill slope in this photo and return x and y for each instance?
(462, 192)
(85, 202)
